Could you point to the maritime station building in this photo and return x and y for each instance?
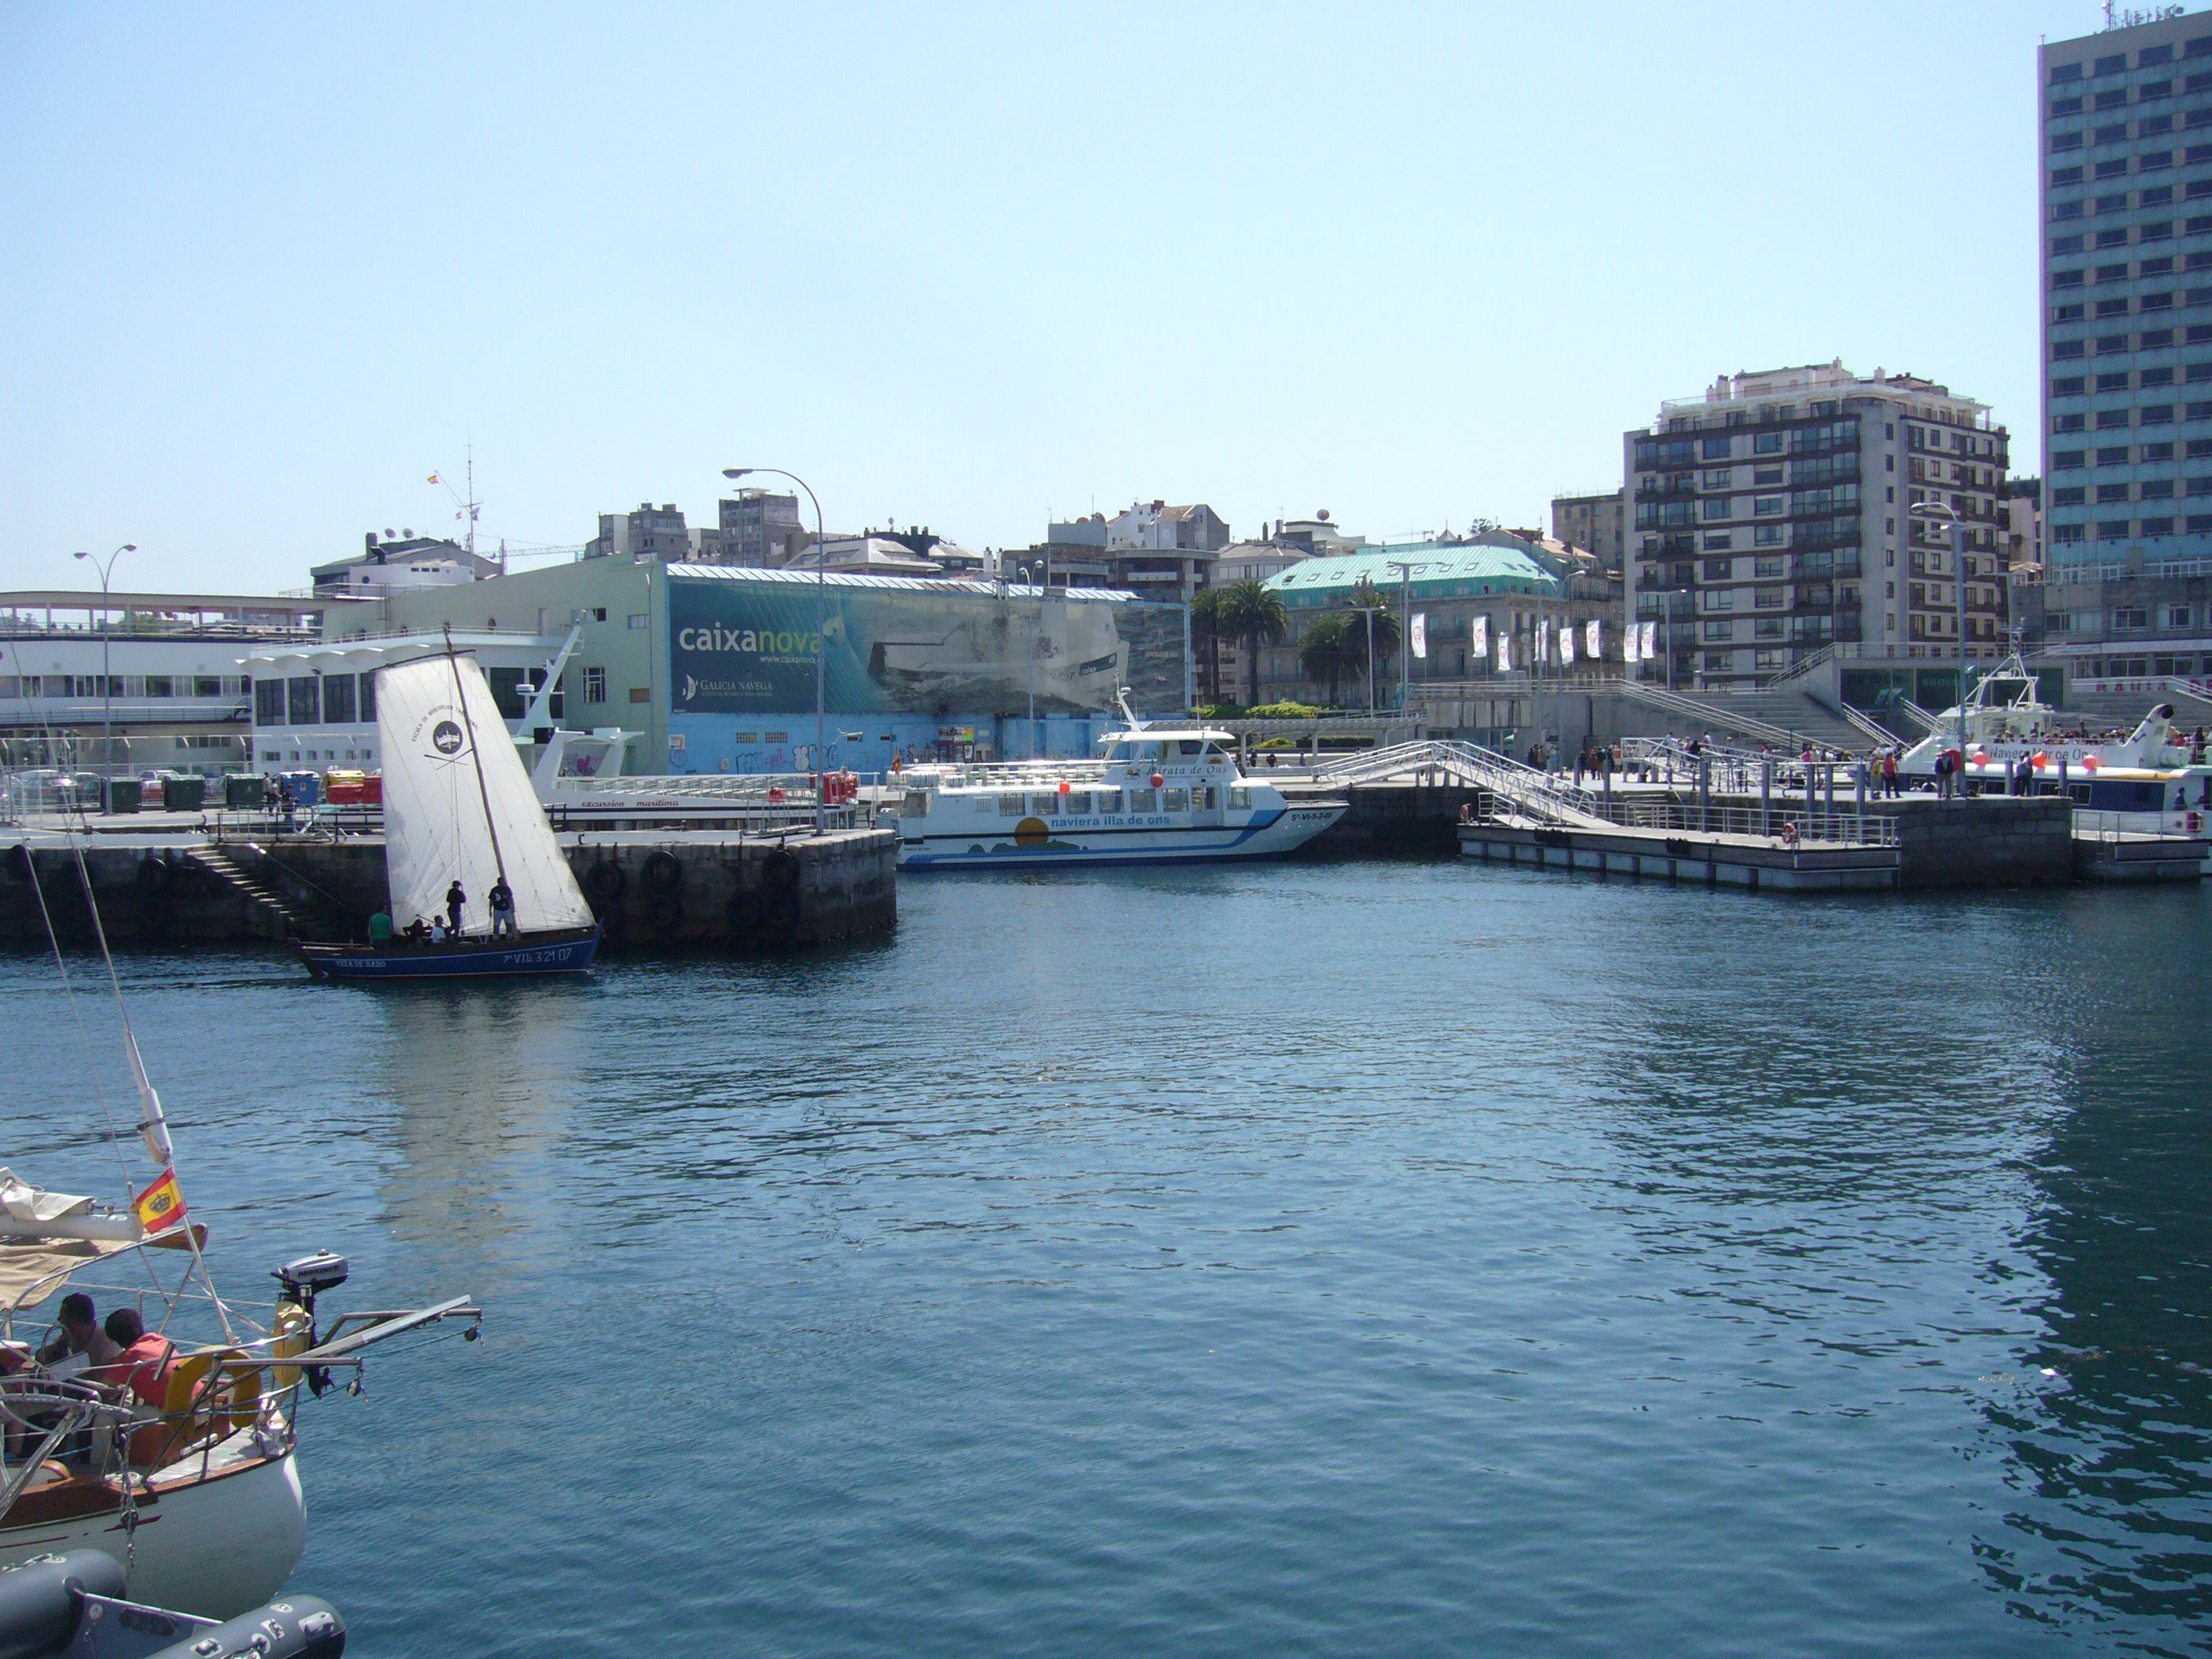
(160, 672)
(1772, 526)
(710, 668)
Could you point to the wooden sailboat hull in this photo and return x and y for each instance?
(215, 1547)
(563, 951)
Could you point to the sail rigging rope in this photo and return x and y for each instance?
(152, 1102)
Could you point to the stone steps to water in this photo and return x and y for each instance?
(292, 920)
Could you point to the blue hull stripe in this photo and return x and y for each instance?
(569, 957)
(1039, 857)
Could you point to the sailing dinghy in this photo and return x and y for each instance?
(458, 806)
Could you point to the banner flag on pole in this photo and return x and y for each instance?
(1421, 633)
(1504, 654)
(1566, 644)
(1593, 640)
(1478, 638)
(1543, 642)
(1650, 643)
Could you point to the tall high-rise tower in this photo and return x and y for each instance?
(2127, 281)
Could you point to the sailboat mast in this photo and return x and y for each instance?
(484, 792)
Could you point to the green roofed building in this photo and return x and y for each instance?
(1459, 601)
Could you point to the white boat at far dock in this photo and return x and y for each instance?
(1159, 794)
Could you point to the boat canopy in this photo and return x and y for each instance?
(32, 1269)
(1171, 734)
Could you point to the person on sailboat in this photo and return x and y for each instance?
(81, 1335)
(455, 898)
(143, 1359)
(502, 900)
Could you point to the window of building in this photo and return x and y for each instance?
(2130, 619)
(1719, 570)
(2158, 231)
(595, 686)
(268, 703)
(2155, 339)
(2111, 65)
(2151, 160)
(1720, 478)
(2177, 615)
(2069, 422)
(2069, 495)
(1767, 535)
(2062, 177)
(2116, 238)
(1763, 568)
(1720, 630)
(2161, 266)
(1767, 599)
(2117, 134)
(2107, 418)
(303, 701)
(2150, 55)
(2153, 414)
(2152, 126)
(2062, 73)
(2111, 492)
(641, 694)
(2158, 198)
(2065, 140)
(2112, 529)
(2065, 460)
(338, 699)
(2118, 273)
(2064, 106)
(637, 622)
(2158, 451)
(1716, 449)
(1763, 505)
(1766, 443)
(2062, 349)
(1715, 507)
(1719, 541)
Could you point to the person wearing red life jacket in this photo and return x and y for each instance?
(143, 1365)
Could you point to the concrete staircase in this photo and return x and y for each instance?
(1786, 716)
(288, 917)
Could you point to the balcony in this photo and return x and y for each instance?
(1667, 490)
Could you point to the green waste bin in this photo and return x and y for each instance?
(123, 794)
(183, 794)
(243, 789)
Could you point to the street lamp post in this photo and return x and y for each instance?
(1405, 569)
(106, 681)
(821, 625)
(1932, 509)
(1368, 611)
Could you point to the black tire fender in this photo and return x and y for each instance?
(663, 872)
(779, 870)
(154, 876)
(605, 880)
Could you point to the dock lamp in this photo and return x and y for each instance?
(821, 626)
(106, 683)
(1932, 509)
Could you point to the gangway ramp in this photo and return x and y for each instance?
(1520, 793)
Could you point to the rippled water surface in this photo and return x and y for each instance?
(1306, 1259)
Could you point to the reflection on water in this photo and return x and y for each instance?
(1390, 1258)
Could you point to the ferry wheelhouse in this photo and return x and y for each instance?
(1157, 794)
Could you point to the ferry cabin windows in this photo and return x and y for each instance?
(1109, 800)
(915, 805)
(1143, 800)
(1010, 806)
(1240, 798)
(1178, 800)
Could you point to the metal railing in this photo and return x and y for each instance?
(2102, 825)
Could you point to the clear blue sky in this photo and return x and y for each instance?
(261, 270)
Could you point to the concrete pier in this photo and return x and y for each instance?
(650, 891)
(1753, 862)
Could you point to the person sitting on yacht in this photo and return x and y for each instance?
(82, 1340)
(144, 1362)
(416, 932)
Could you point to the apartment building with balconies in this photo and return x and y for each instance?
(1771, 519)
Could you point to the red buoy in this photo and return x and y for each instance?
(1158, 780)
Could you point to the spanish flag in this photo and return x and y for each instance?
(162, 1204)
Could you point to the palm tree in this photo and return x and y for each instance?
(1206, 636)
(1325, 650)
(1253, 616)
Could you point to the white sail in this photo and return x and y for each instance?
(454, 787)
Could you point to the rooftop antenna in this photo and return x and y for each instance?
(465, 508)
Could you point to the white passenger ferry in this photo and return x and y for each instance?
(2152, 780)
(1160, 794)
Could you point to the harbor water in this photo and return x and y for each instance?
(1321, 1259)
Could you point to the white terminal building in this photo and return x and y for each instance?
(1771, 523)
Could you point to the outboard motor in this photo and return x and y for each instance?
(42, 1600)
(302, 1279)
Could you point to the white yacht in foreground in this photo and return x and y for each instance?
(1160, 794)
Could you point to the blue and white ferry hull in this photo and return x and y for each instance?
(567, 951)
(1040, 843)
